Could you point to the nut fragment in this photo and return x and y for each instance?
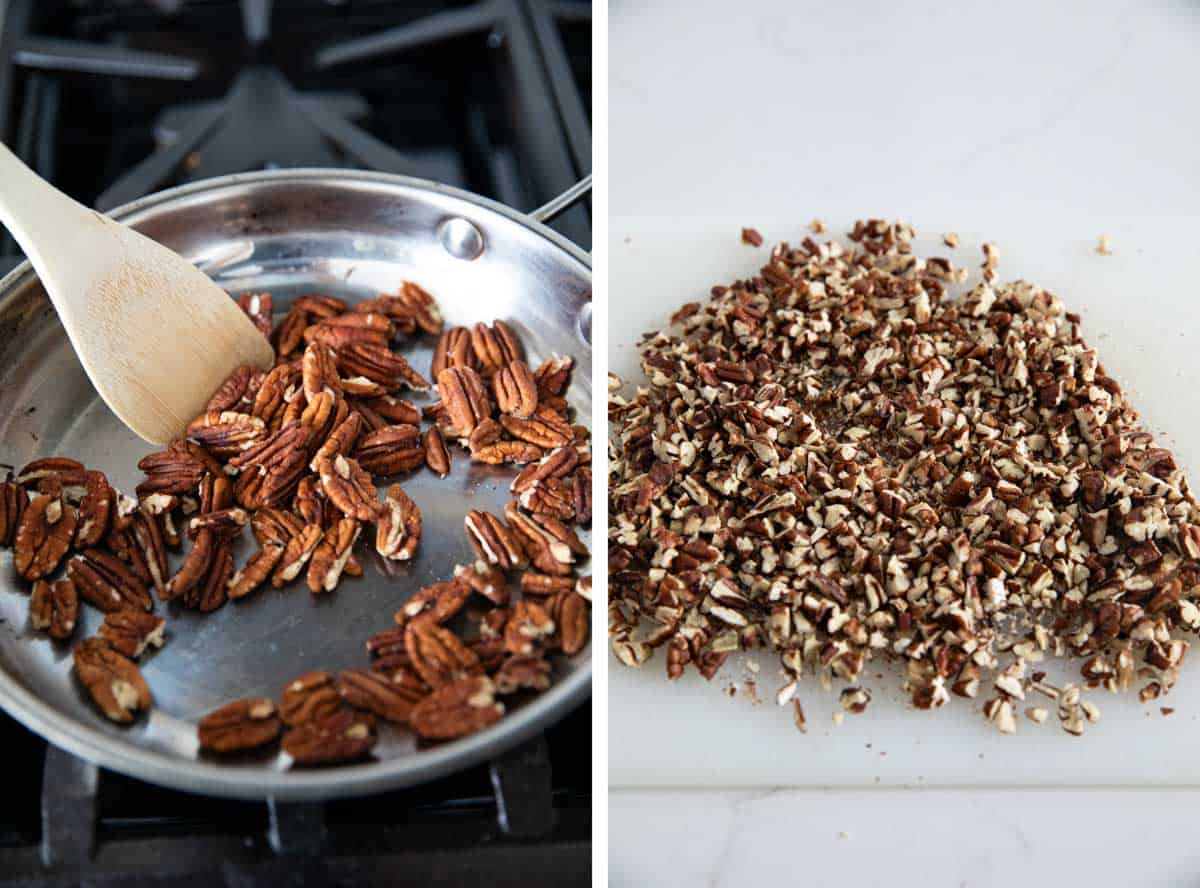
(240, 725)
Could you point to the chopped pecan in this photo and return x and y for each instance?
(296, 553)
(13, 500)
(437, 456)
(341, 737)
(437, 654)
(240, 725)
(130, 632)
(398, 529)
(255, 571)
(522, 672)
(528, 626)
(391, 450)
(54, 608)
(330, 557)
(453, 349)
(309, 697)
(114, 682)
(457, 709)
(43, 536)
(493, 541)
(516, 390)
(349, 488)
(488, 580)
(370, 691)
(465, 399)
(319, 372)
(257, 307)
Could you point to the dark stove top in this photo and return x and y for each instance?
(114, 99)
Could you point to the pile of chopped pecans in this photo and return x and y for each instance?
(295, 454)
(838, 461)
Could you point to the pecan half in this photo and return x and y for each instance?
(516, 390)
(437, 654)
(255, 571)
(457, 709)
(391, 450)
(380, 365)
(453, 349)
(213, 592)
(240, 725)
(195, 567)
(54, 608)
(494, 346)
(13, 500)
(51, 470)
(534, 583)
(485, 434)
(94, 510)
(398, 529)
(257, 307)
(493, 541)
(330, 557)
(487, 580)
(296, 553)
(395, 410)
(581, 498)
(439, 602)
(571, 616)
(318, 370)
(43, 536)
(344, 330)
(553, 376)
(529, 672)
(290, 333)
(238, 391)
(437, 456)
(465, 399)
(557, 464)
(376, 693)
(549, 498)
(309, 697)
(528, 626)
(130, 632)
(114, 681)
(341, 737)
(147, 536)
(515, 452)
(226, 434)
(349, 488)
(537, 431)
(411, 309)
(547, 552)
(309, 501)
(176, 470)
(280, 388)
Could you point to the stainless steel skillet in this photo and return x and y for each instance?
(352, 234)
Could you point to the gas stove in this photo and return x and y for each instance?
(115, 99)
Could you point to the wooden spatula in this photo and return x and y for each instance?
(156, 336)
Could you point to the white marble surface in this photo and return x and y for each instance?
(1080, 116)
(926, 838)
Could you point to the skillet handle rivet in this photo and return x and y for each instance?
(461, 239)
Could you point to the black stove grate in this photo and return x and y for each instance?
(114, 99)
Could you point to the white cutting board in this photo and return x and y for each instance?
(1141, 310)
